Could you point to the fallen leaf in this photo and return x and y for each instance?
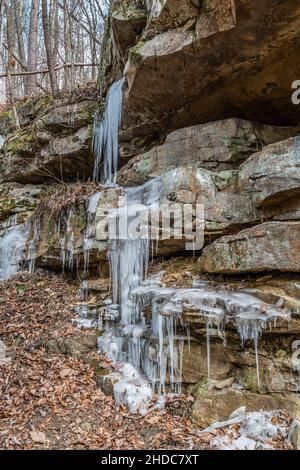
(38, 437)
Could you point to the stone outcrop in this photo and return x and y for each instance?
(212, 407)
(52, 144)
(18, 201)
(207, 119)
(272, 246)
(220, 145)
(273, 175)
(128, 21)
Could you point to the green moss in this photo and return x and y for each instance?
(22, 142)
(6, 115)
(7, 206)
(126, 10)
(135, 51)
(224, 178)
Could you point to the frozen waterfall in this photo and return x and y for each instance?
(105, 141)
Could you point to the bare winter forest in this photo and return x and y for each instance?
(47, 46)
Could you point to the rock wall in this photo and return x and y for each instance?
(208, 116)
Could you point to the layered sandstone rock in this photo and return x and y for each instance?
(272, 246)
(273, 175)
(220, 145)
(18, 201)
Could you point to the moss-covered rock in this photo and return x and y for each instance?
(32, 107)
(68, 119)
(21, 143)
(18, 200)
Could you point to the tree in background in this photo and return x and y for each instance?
(48, 45)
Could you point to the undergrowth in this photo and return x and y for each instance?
(59, 197)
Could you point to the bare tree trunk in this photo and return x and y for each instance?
(67, 44)
(18, 14)
(32, 47)
(49, 49)
(11, 62)
(18, 8)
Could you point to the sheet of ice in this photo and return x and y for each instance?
(13, 243)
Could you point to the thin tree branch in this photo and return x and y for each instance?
(39, 72)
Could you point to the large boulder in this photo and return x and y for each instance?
(272, 246)
(272, 175)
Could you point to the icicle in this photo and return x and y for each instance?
(257, 360)
(33, 244)
(106, 136)
(208, 351)
(88, 240)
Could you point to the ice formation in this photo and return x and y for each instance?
(65, 233)
(146, 332)
(250, 431)
(106, 136)
(132, 389)
(89, 236)
(12, 249)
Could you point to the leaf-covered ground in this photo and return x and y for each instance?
(50, 401)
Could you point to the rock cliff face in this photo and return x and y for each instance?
(207, 118)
